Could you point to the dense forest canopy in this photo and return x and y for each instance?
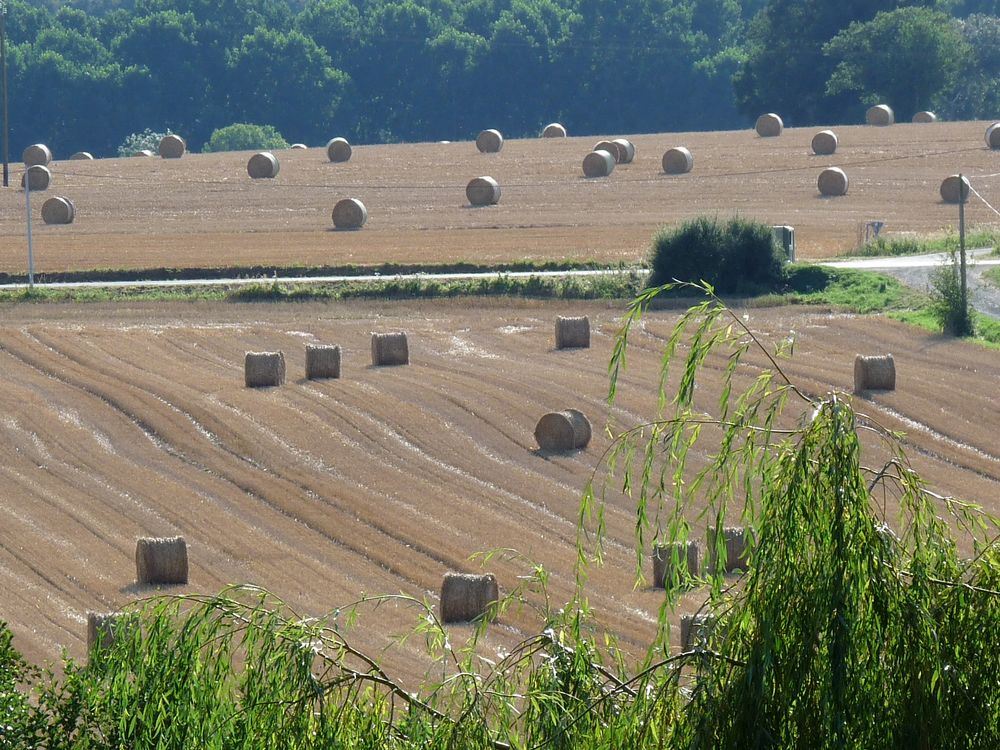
(85, 75)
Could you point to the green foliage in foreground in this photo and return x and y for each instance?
(857, 625)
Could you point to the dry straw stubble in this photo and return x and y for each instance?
(349, 213)
(572, 332)
(832, 182)
(489, 141)
(563, 431)
(338, 150)
(483, 191)
(263, 165)
(161, 561)
(58, 210)
(598, 164)
(263, 369)
(825, 143)
(874, 373)
(390, 349)
(678, 160)
(769, 125)
(466, 596)
(322, 361)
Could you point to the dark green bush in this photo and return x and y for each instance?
(734, 256)
(242, 136)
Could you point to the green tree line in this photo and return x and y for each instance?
(86, 74)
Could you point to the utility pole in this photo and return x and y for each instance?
(3, 94)
(961, 250)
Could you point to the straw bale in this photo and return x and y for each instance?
(298, 146)
(38, 154)
(880, 114)
(263, 165)
(678, 160)
(769, 125)
(832, 182)
(489, 141)
(626, 150)
(950, 190)
(695, 630)
(58, 210)
(563, 431)
(572, 333)
(737, 542)
(611, 147)
(144, 152)
(263, 369)
(598, 164)
(322, 361)
(993, 135)
(172, 146)
(161, 561)
(104, 628)
(349, 213)
(554, 130)
(825, 142)
(483, 191)
(687, 554)
(390, 349)
(338, 150)
(925, 116)
(82, 156)
(876, 373)
(465, 596)
(38, 178)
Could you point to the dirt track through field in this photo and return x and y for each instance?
(203, 210)
(119, 422)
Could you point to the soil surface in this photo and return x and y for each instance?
(204, 211)
(122, 421)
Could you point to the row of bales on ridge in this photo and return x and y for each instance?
(350, 213)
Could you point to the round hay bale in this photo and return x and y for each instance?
(877, 373)
(144, 152)
(832, 182)
(37, 178)
(322, 361)
(695, 630)
(626, 150)
(824, 143)
(263, 165)
(611, 147)
(737, 546)
(563, 431)
(924, 116)
(338, 150)
(298, 146)
(554, 130)
(951, 192)
(598, 164)
(58, 210)
(665, 556)
(465, 596)
(161, 561)
(389, 349)
(993, 135)
(349, 213)
(263, 369)
(37, 155)
(172, 147)
(483, 191)
(82, 156)
(880, 115)
(678, 160)
(104, 628)
(572, 333)
(769, 125)
(489, 141)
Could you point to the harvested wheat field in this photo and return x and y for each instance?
(203, 210)
(125, 422)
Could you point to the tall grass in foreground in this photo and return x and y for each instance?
(853, 627)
